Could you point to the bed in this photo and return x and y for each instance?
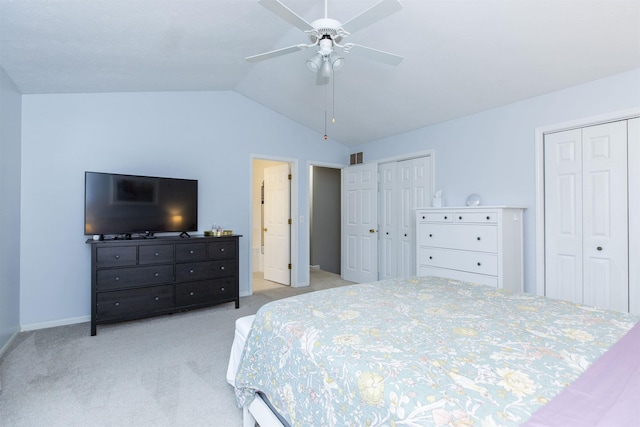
(431, 351)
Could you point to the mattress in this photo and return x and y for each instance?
(419, 352)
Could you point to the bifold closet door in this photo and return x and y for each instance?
(404, 186)
(586, 223)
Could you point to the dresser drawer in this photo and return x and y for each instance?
(436, 216)
(206, 291)
(224, 249)
(463, 276)
(191, 252)
(471, 237)
(155, 254)
(476, 217)
(205, 270)
(115, 256)
(474, 262)
(135, 276)
(133, 302)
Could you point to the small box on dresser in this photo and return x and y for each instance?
(138, 278)
(472, 244)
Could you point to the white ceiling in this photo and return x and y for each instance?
(460, 57)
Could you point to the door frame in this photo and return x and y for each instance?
(294, 214)
(340, 167)
(539, 177)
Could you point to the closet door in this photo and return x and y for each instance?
(563, 215)
(404, 186)
(605, 222)
(586, 224)
(388, 217)
(415, 192)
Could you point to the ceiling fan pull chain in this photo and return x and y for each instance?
(333, 99)
(325, 113)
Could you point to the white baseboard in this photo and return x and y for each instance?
(8, 343)
(54, 323)
(4, 349)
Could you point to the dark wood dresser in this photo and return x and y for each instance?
(132, 279)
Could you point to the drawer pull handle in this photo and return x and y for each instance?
(405, 234)
(192, 293)
(191, 251)
(156, 274)
(221, 249)
(446, 217)
(117, 304)
(430, 235)
(430, 257)
(222, 267)
(423, 217)
(117, 256)
(479, 264)
(191, 271)
(222, 289)
(488, 217)
(156, 254)
(460, 217)
(599, 248)
(478, 238)
(157, 298)
(117, 278)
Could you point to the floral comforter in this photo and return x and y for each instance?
(419, 352)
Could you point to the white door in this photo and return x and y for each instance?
(586, 234)
(415, 192)
(277, 227)
(360, 223)
(388, 241)
(404, 186)
(563, 215)
(605, 232)
(633, 166)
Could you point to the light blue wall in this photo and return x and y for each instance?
(492, 153)
(209, 136)
(10, 119)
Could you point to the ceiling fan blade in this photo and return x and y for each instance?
(276, 53)
(287, 14)
(374, 54)
(375, 13)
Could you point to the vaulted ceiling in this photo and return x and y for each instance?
(460, 57)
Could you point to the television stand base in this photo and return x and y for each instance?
(184, 234)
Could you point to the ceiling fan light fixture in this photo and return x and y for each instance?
(315, 63)
(336, 62)
(326, 68)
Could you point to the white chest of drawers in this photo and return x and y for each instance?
(473, 244)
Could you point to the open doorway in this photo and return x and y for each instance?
(324, 220)
(271, 225)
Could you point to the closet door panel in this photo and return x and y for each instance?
(563, 215)
(633, 165)
(605, 232)
(387, 218)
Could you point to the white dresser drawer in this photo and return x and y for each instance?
(463, 276)
(476, 217)
(441, 216)
(483, 238)
(473, 262)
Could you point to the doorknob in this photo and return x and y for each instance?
(265, 229)
(371, 230)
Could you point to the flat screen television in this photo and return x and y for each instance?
(116, 204)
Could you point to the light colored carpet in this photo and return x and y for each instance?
(164, 371)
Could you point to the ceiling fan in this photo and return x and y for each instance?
(327, 34)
